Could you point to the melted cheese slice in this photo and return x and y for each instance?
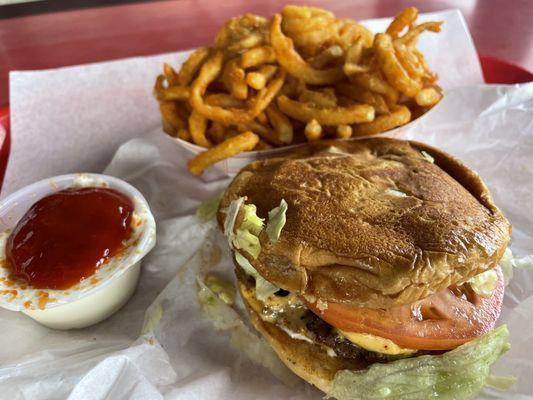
(375, 343)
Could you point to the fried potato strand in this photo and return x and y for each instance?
(234, 78)
(305, 112)
(294, 63)
(393, 70)
(237, 144)
(197, 128)
(400, 116)
(313, 130)
(330, 55)
(428, 97)
(375, 83)
(208, 73)
(282, 125)
(258, 56)
(344, 131)
(405, 19)
(192, 65)
(258, 79)
(170, 74)
(364, 96)
(323, 98)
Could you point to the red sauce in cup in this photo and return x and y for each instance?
(66, 236)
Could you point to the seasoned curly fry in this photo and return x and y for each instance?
(216, 132)
(330, 55)
(353, 58)
(281, 124)
(209, 71)
(412, 34)
(173, 93)
(364, 96)
(234, 78)
(429, 76)
(197, 128)
(265, 132)
(242, 33)
(243, 142)
(350, 31)
(324, 98)
(428, 97)
(258, 79)
(224, 100)
(409, 61)
(344, 131)
(184, 134)
(355, 114)
(192, 65)
(405, 19)
(262, 145)
(261, 101)
(375, 83)
(172, 121)
(310, 28)
(293, 62)
(393, 70)
(400, 116)
(258, 56)
(170, 75)
(313, 130)
(262, 118)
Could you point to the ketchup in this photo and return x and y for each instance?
(66, 236)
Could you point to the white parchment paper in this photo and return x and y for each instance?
(73, 119)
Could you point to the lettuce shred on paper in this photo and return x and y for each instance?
(457, 374)
(207, 210)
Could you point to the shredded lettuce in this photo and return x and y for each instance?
(507, 264)
(231, 217)
(457, 374)
(525, 262)
(263, 288)
(247, 241)
(276, 221)
(152, 318)
(225, 318)
(427, 156)
(500, 382)
(251, 222)
(484, 284)
(395, 192)
(223, 289)
(245, 237)
(207, 210)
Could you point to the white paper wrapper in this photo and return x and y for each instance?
(179, 355)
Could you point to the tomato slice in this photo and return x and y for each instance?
(441, 321)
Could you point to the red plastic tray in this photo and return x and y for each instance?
(494, 71)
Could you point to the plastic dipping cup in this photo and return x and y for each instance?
(96, 297)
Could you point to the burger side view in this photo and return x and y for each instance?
(371, 267)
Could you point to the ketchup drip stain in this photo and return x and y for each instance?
(66, 236)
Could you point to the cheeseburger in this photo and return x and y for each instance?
(371, 267)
